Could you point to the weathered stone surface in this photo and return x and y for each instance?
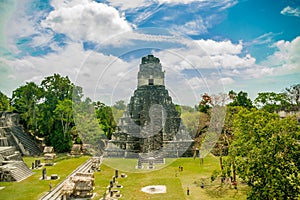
(151, 123)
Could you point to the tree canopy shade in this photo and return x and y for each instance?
(266, 152)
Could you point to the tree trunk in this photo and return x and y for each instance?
(233, 171)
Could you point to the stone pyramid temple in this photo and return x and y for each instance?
(151, 124)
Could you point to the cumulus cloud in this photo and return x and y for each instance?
(231, 61)
(94, 71)
(88, 21)
(290, 11)
(209, 54)
(223, 47)
(226, 80)
(287, 58)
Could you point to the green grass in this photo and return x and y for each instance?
(176, 182)
(33, 187)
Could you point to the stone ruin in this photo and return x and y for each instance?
(12, 134)
(151, 124)
(14, 143)
(81, 185)
(113, 191)
(49, 155)
(76, 149)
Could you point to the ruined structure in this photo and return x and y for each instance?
(12, 134)
(151, 125)
(81, 185)
(14, 142)
(49, 155)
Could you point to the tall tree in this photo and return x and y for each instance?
(266, 152)
(64, 113)
(106, 119)
(240, 99)
(57, 88)
(56, 122)
(4, 102)
(25, 101)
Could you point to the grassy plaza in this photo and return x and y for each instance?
(176, 181)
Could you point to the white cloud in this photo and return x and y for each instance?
(204, 54)
(287, 58)
(289, 11)
(194, 27)
(226, 81)
(88, 20)
(223, 47)
(224, 4)
(124, 5)
(180, 1)
(233, 61)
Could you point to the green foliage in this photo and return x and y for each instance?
(87, 125)
(62, 142)
(64, 113)
(191, 122)
(25, 101)
(272, 102)
(46, 110)
(106, 119)
(241, 99)
(266, 152)
(4, 102)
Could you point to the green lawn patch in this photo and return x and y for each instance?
(176, 181)
(33, 187)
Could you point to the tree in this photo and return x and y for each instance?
(106, 119)
(272, 102)
(294, 93)
(56, 90)
(64, 113)
(4, 102)
(120, 105)
(240, 99)
(87, 126)
(56, 122)
(205, 103)
(266, 152)
(25, 101)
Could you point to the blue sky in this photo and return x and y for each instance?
(204, 46)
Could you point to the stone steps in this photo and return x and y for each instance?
(15, 171)
(27, 142)
(55, 194)
(21, 171)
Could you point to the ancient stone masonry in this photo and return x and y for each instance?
(14, 142)
(151, 124)
(12, 134)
